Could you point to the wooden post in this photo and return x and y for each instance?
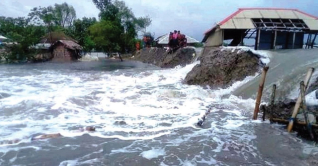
(258, 38)
(296, 108)
(262, 107)
(222, 37)
(272, 102)
(287, 41)
(307, 43)
(275, 38)
(260, 92)
(304, 107)
(309, 40)
(313, 41)
(303, 100)
(294, 36)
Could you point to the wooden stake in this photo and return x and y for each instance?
(260, 92)
(304, 107)
(296, 108)
(272, 102)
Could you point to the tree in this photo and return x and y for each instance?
(64, 14)
(60, 15)
(120, 16)
(23, 35)
(81, 32)
(142, 23)
(105, 35)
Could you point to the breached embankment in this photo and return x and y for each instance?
(221, 67)
(163, 59)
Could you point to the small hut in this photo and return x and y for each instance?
(57, 46)
(66, 50)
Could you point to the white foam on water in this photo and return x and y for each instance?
(150, 104)
(68, 163)
(153, 153)
(311, 98)
(88, 57)
(264, 55)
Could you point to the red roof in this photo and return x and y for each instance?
(243, 9)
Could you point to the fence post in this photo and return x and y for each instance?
(298, 102)
(260, 92)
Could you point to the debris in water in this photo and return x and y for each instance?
(201, 120)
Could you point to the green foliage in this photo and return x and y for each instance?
(58, 15)
(115, 32)
(80, 32)
(117, 15)
(21, 36)
(106, 35)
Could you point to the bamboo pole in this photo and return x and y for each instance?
(296, 108)
(284, 121)
(260, 92)
(303, 100)
(304, 107)
(272, 102)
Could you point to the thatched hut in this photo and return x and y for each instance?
(53, 37)
(65, 50)
(57, 46)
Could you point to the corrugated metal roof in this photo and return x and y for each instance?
(248, 13)
(243, 23)
(228, 25)
(269, 14)
(164, 39)
(251, 13)
(288, 14)
(303, 16)
(312, 24)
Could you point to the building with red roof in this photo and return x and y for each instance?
(272, 28)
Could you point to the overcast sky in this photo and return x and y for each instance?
(192, 17)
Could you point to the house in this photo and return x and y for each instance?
(57, 46)
(272, 28)
(65, 50)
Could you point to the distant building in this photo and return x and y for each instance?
(66, 50)
(164, 40)
(58, 46)
(272, 28)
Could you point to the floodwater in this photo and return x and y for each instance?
(143, 115)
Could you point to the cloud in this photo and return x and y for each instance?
(193, 17)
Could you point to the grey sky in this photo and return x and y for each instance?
(192, 17)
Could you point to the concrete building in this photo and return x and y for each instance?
(272, 28)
